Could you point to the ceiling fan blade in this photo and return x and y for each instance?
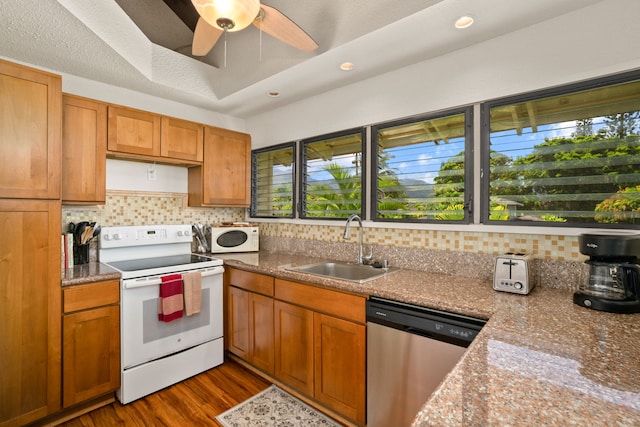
(274, 23)
(204, 38)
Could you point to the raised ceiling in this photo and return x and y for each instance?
(144, 46)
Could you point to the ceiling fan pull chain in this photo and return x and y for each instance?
(260, 40)
(225, 47)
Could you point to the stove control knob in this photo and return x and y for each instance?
(185, 233)
(117, 236)
(106, 237)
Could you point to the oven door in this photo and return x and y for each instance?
(145, 338)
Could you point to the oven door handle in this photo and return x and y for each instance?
(156, 280)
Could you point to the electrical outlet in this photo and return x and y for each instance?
(151, 173)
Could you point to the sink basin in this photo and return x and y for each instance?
(343, 271)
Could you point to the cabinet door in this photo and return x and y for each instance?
(84, 150)
(238, 322)
(261, 332)
(294, 346)
(181, 139)
(30, 305)
(133, 131)
(224, 177)
(340, 365)
(30, 135)
(91, 364)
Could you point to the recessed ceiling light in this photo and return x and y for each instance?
(346, 66)
(464, 21)
(273, 93)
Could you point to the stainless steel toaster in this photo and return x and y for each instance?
(515, 273)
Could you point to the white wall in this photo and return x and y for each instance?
(138, 176)
(594, 41)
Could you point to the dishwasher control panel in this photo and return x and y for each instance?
(430, 323)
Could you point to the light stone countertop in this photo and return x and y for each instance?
(540, 359)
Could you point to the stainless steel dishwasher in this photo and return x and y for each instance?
(410, 350)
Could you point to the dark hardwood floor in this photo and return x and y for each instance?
(194, 402)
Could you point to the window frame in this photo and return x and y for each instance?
(302, 172)
(485, 147)
(254, 172)
(467, 111)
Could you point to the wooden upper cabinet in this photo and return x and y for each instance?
(133, 131)
(181, 139)
(224, 177)
(84, 146)
(30, 134)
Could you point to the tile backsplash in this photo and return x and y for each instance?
(563, 248)
(457, 252)
(147, 208)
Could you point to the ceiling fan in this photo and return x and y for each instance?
(220, 16)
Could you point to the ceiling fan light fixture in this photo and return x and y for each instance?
(228, 15)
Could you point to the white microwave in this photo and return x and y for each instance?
(233, 239)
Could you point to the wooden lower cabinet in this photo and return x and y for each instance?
(312, 339)
(30, 310)
(91, 341)
(322, 356)
(250, 327)
(339, 361)
(294, 346)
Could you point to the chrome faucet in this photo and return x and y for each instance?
(361, 257)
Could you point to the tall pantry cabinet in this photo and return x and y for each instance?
(30, 218)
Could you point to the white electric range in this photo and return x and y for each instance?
(156, 354)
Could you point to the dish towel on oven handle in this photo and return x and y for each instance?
(170, 303)
(192, 292)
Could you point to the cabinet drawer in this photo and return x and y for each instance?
(337, 303)
(90, 295)
(254, 282)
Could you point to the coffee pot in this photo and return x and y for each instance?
(610, 279)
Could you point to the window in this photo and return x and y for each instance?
(422, 168)
(332, 175)
(272, 181)
(565, 158)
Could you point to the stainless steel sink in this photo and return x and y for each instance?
(343, 270)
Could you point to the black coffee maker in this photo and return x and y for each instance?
(610, 279)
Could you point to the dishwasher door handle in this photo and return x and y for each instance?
(421, 332)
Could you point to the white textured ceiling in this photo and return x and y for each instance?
(141, 45)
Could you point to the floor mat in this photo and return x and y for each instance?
(274, 407)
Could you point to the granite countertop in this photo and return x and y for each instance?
(540, 359)
(88, 273)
